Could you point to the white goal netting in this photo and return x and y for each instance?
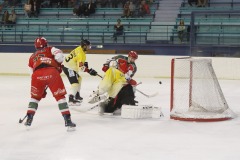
(195, 92)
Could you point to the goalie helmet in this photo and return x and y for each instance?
(133, 54)
(40, 42)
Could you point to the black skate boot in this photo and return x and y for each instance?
(68, 122)
(73, 102)
(29, 119)
(78, 97)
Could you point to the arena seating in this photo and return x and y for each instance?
(211, 28)
(60, 25)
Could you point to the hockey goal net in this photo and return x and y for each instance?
(195, 92)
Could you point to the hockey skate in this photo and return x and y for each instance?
(73, 102)
(29, 120)
(68, 122)
(78, 97)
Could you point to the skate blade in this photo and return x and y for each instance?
(74, 104)
(108, 114)
(71, 129)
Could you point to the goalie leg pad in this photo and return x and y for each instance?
(142, 111)
(125, 96)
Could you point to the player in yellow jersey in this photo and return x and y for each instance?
(74, 63)
(119, 90)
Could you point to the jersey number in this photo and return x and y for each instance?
(70, 57)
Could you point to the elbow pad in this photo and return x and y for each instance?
(58, 54)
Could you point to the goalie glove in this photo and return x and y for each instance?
(95, 97)
(128, 75)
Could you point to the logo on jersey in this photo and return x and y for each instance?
(43, 78)
(59, 92)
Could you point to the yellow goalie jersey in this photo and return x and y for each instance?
(112, 82)
(75, 59)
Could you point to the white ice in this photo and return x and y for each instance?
(112, 138)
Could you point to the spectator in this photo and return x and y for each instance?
(143, 9)
(202, 3)
(79, 10)
(181, 29)
(131, 9)
(192, 1)
(35, 9)
(118, 29)
(12, 18)
(5, 18)
(126, 10)
(27, 9)
(90, 8)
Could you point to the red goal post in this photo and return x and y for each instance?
(196, 94)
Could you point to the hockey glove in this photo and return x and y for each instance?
(132, 82)
(92, 72)
(96, 97)
(105, 67)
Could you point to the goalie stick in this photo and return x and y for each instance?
(147, 95)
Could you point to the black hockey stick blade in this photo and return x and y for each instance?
(21, 120)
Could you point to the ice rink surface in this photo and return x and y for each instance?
(111, 137)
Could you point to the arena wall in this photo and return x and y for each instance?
(154, 66)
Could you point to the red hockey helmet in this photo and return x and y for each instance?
(40, 42)
(133, 54)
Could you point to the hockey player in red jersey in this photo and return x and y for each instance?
(126, 65)
(45, 64)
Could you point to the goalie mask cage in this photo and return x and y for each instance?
(195, 92)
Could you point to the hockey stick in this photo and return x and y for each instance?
(86, 110)
(21, 120)
(147, 95)
(92, 108)
(99, 76)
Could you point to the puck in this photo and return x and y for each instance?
(160, 82)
